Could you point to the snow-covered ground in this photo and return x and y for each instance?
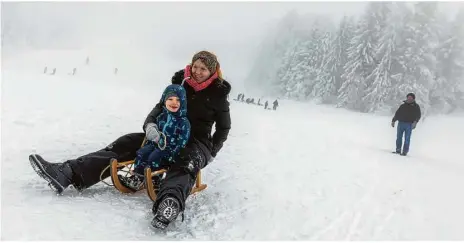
(302, 172)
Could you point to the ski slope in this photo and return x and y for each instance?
(303, 172)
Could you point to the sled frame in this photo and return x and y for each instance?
(148, 183)
(151, 191)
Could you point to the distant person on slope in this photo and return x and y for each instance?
(207, 100)
(275, 104)
(407, 115)
(162, 147)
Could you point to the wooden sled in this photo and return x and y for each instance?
(120, 166)
(115, 167)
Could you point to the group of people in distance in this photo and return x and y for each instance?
(241, 96)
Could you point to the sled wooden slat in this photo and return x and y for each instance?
(151, 189)
(114, 175)
(149, 182)
(122, 164)
(198, 186)
(158, 172)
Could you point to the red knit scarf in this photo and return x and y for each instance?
(198, 86)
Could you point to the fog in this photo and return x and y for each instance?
(155, 33)
(162, 34)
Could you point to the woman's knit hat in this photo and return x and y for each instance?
(208, 58)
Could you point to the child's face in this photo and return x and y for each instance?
(172, 104)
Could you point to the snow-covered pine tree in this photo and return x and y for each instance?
(459, 76)
(445, 94)
(297, 71)
(274, 46)
(324, 89)
(335, 57)
(419, 57)
(317, 41)
(284, 73)
(338, 56)
(361, 62)
(377, 17)
(316, 38)
(399, 67)
(379, 93)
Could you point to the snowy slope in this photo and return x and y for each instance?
(302, 172)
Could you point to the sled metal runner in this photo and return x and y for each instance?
(118, 166)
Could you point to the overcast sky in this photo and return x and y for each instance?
(174, 30)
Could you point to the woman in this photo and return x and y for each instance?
(207, 94)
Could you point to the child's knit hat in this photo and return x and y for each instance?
(169, 94)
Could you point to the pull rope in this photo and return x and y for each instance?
(101, 176)
(107, 167)
(127, 172)
(164, 147)
(183, 81)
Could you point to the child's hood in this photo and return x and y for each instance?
(180, 92)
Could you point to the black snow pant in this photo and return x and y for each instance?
(180, 177)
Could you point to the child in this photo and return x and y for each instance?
(174, 128)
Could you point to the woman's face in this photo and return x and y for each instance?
(200, 72)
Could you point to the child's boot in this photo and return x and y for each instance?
(134, 182)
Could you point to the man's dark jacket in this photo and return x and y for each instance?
(408, 112)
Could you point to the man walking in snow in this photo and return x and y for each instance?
(407, 115)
